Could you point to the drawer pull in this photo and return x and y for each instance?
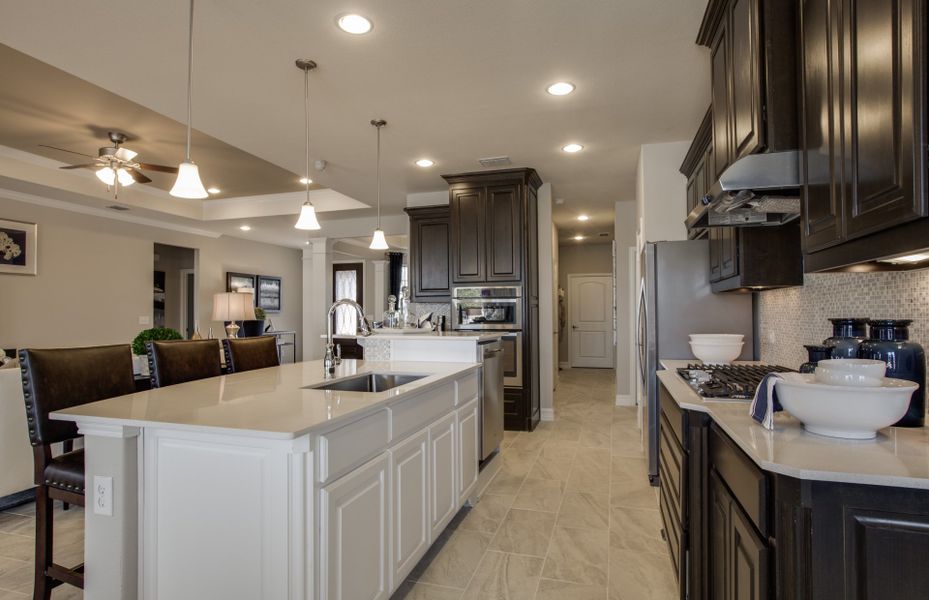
(664, 534)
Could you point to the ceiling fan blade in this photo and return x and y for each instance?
(64, 150)
(159, 168)
(138, 176)
(85, 166)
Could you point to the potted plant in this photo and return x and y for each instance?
(139, 358)
(256, 327)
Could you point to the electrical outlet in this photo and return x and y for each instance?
(143, 320)
(103, 496)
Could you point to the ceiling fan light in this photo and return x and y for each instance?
(106, 175)
(188, 184)
(307, 220)
(124, 177)
(378, 241)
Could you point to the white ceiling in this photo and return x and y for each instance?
(455, 80)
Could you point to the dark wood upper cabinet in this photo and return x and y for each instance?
(430, 253)
(698, 166)
(468, 218)
(719, 63)
(504, 233)
(863, 108)
(745, 107)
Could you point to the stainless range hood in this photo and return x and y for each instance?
(756, 190)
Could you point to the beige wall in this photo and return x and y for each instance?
(95, 279)
(576, 259)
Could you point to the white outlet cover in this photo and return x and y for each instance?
(103, 496)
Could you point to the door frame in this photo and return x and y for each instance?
(185, 318)
(570, 322)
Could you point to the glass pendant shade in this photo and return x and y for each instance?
(307, 219)
(106, 175)
(125, 179)
(188, 184)
(379, 242)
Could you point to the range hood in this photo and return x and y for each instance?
(756, 190)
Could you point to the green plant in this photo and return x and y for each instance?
(151, 335)
(260, 313)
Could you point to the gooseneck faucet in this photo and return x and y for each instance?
(331, 360)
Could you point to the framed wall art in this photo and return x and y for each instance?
(269, 293)
(18, 247)
(239, 281)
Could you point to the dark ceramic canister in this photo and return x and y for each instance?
(905, 360)
(817, 352)
(847, 335)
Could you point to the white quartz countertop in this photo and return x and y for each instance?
(898, 457)
(270, 403)
(478, 336)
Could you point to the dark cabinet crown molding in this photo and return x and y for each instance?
(527, 175)
(701, 141)
(715, 11)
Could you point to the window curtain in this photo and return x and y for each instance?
(394, 273)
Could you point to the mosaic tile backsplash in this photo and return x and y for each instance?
(791, 317)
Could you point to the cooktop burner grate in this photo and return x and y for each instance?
(727, 381)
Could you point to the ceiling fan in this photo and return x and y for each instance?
(116, 166)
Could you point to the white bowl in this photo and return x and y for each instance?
(861, 366)
(716, 337)
(832, 376)
(841, 411)
(718, 354)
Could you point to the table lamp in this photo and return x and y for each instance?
(230, 307)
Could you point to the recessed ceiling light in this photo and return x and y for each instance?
(424, 163)
(583, 218)
(213, 190)
(304, 181)
(578, 237)
(572, 148)
(245, 227)
(561, 88)
(354, 24)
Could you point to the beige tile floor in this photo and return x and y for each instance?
(569, 516)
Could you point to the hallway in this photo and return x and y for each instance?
(570, 515)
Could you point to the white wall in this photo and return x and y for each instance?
(427, 198)
(546, 310)
(661, 192)
(574, 259)
(625, 226)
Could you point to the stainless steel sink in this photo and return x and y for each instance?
(369, 382)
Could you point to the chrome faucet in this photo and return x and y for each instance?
(331, 360)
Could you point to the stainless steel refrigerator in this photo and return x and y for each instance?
(674, 301)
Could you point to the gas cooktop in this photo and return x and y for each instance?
(734, 382)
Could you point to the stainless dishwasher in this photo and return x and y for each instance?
(491, 354)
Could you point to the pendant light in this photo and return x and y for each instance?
(378, 241)
(188, 184)
(307, 219)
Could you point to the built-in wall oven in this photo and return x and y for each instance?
(497, 308)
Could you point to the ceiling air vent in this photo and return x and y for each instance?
(495, 161)
(118, 207)
(603, 234)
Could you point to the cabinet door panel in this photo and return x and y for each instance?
(718, 559)
(504, 233)
(716, 251)
(884, 107)
(749, 559)
(468, 230)
(745, 111)
(443, 476)
(412, 527)
(354, 534)
(729, 258)
(469, 448)
(719, 63)
(429, 262)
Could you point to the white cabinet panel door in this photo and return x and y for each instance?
(411, 526)
(443, 476)
(355, 534)
(591, 300)
(469, 445)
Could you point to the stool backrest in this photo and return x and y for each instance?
(246, 354)
(58, 378)
(178, 361)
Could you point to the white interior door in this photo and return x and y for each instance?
(590, 302)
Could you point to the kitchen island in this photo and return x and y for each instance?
(261, 485)
(753, 513)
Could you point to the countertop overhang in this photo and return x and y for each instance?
(434, 336)
(898, 457)
(269, 403)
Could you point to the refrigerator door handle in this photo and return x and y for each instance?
(642, 322)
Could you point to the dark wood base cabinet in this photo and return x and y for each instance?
(737, 532)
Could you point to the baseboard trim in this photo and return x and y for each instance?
(564, 365)
(548, 414)
(17, 499)
(625, 400)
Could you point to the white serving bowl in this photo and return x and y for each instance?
(842, 411)
(861, 366)
(716, 353)
(716, 337)
(832, 376)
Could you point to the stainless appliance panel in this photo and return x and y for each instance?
(512, 359)
(487, 313)
(491, 397)
(675, 301)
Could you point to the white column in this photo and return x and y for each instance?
(547, 280)
(380, 288)
(317, 290)
(111, 542)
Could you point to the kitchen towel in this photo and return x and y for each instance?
(765, 402)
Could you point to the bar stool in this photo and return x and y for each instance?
(56, 379)
(246, 354)
(178, 361)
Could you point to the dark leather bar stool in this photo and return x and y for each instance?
(179, 361)
(246, 354)
(56, 379)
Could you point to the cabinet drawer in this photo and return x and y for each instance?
(671, 468)
(342, 449)
(672, 531)
(674, 415)
(468, 388)
(744, 479)
(410, 415)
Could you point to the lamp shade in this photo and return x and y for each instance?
(125, 179)
(379, 242)
(233, 306)
(188, 184)
(307, 219)
(106, 175)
